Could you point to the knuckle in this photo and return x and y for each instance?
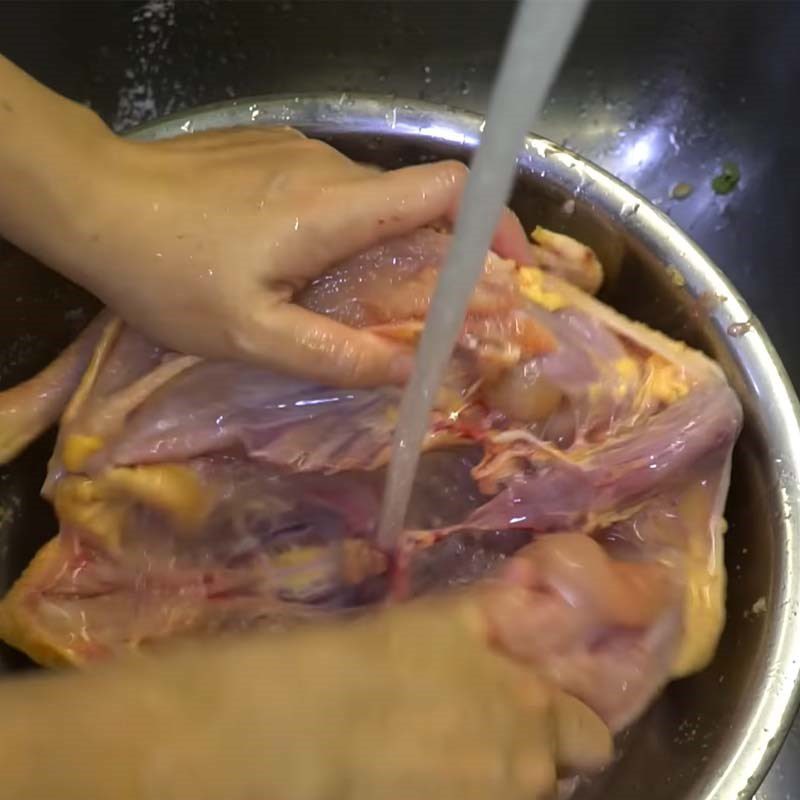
(244, 333)
(238, 338)
(354, 365)
(350, 364)
(318, 148)
(286, 130)
(274, 134)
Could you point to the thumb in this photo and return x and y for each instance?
(294, 340)
(583, 741)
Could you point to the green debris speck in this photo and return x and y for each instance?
(680, 191)
(726, 181)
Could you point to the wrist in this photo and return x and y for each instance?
(77, 194)
(54, 158)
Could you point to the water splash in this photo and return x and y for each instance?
(537, 46)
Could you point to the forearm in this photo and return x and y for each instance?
(51, 161)
(298, 716)
(206, 724)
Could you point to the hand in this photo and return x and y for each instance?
(407, 703)
(435, 712)
(201, 241)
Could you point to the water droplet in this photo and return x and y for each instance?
(739, 328)
(630, 211)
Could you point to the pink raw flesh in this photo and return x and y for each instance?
(551, 462)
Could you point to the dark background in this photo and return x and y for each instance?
(659, 92)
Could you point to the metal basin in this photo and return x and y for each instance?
(713, 735)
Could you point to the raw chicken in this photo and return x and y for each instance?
(573, 453)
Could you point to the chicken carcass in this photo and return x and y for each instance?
(575, 454)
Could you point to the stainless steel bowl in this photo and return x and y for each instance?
(715, 734)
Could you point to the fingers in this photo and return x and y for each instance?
(358, 214)
(510, 240)
(355, 215)
(583, 741)
(292, 339)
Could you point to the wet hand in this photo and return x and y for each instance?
(202, 241)
(439, 713)
(409, 703)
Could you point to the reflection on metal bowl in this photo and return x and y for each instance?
(715, 734)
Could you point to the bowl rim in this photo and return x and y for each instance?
(776, 404)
